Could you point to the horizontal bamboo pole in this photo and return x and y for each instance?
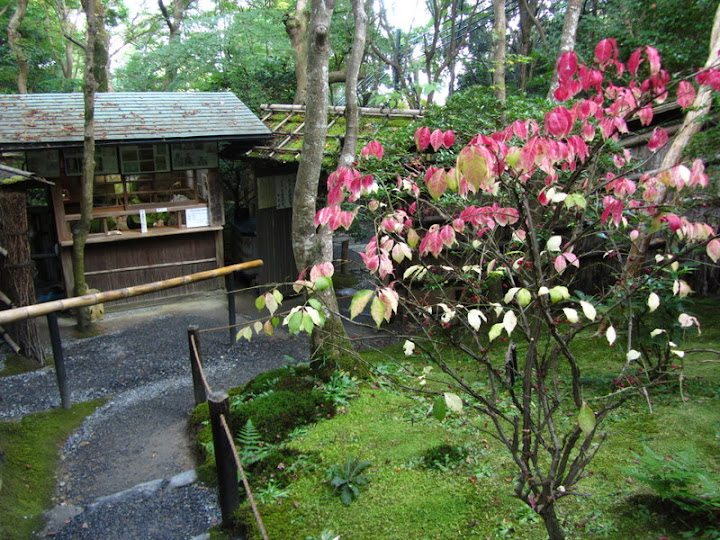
(36, 310)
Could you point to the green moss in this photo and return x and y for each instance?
(271, 412)
(29, 450)
(16, 364)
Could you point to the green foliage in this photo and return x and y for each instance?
(251, 446)
(28, 462)
(347, 479)
(680, 479)
(444, 457)
(341, 387)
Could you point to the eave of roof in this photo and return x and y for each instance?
(52, 120)
(10, 176)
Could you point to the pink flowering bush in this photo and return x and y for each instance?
(504, 235)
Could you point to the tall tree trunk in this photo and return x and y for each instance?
(311, 245)
(528, 10)
(499, 50)
(348, 155)
(16, 271)
(101, 55)
(690, 126)
(14, 42)
(296, 28)
(82, 226)
(567, 39)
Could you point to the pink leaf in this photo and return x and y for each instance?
(566, 66)
(658, 139)
(559, 122)
(713, 249)
(605, 50)
(449, 138)
(560, 264)
(634, 62)
(654, 59)
(437, 184)
(697, 174)
(447, 235)
(646, 115)
(422, 138)
(685, 94)
(436, 139)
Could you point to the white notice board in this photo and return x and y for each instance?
(196, 217)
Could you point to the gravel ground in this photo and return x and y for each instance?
(141, 365)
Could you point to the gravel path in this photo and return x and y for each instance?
(141, 364)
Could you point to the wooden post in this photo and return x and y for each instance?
(196, 365)
(344, 255)
(232, 317)
(60, 371)
(227, 470)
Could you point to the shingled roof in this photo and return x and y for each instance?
(287, 123)
(47, 120)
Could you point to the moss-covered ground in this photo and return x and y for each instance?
(470, 496)
(28, 460)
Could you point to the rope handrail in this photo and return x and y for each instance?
(245, 482)
(201, 370)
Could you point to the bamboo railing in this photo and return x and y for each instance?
(36, 310)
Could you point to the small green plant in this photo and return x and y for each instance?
(271, 493)
(252, 447)
(347, 478)
(679, 479)
(341, 387)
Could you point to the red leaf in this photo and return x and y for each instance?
(654, 58)
(658, 139)
(634, 62)
(449, 138)
(685, 94)
(436, 139)
(559, 122)
(422, 138)
(566, 66)
(605, 50)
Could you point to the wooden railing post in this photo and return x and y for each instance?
(60, 371)
(225, 464)
(232, 318)
(196, 365)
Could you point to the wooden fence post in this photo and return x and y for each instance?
(232, 318)
(196, 365)
(227, 470)
(344, 256)
(60, 371)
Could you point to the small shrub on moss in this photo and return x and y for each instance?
(444, 457)
(276, 414)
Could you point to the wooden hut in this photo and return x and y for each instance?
(158, 202)
(262, 228)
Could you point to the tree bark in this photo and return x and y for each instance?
(16, 271)
(552, 523)
(296, 28)
(690, 126)
(499, 50)
(101, 55)
(82, 226)
(313, 246)
(14, 42)
(567, 39)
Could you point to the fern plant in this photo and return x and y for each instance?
(252, 447)
(347, 478)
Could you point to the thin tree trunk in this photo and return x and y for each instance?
(82, 226)
(499, 50)
(16, 271)
(14, 42)
(552, 524)
(567, 40)
(690, 126)
(101, 55)
(313, 246)
(296, 28)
